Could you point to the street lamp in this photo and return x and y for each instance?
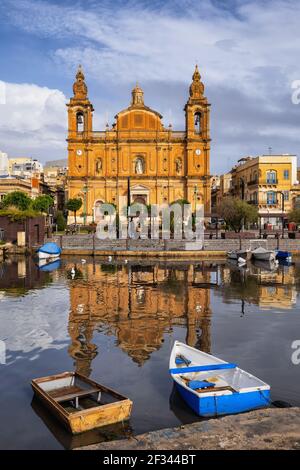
(282, 208)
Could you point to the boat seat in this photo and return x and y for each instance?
(196, 384)
(79, 394)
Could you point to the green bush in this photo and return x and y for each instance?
(60, 221)
(17, 199)
(17, 215)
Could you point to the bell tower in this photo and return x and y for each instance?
(197, 110)
(80, 110)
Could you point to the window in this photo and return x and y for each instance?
(286, 174)
(271, 177)
(80, 122)
(198, 122)
(297, 202)
(271, 197)
(286, 195)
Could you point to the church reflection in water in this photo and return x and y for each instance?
(138, 304)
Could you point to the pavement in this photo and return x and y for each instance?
(271, 428)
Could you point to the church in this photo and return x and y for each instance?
(138, 158)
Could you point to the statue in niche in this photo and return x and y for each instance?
(99, 165)
(178, 165)
(139, 166)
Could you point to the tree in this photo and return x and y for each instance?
(294, 216)
(18, 199)
(42, 203)
(237, 213)
(60, 221)
(74, 205)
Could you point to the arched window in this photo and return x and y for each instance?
(80, 122)
(198, 118)
(271, 177)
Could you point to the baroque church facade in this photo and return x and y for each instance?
(138, 158)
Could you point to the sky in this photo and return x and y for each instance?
(247, 52)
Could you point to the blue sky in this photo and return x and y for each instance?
(247, 52)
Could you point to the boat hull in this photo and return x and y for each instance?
(264, 256)
(235, 255)
(49, 250)
(85, 419)
(211, 386)
(213, 406)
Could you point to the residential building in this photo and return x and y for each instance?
(3, 165)
(270, 182)
(9, 184)
(25, 167)
(220, 190)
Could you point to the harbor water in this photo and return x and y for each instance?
(116, 323)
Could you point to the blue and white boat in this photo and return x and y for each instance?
(213, 387)
(49, 250)
(284, 256)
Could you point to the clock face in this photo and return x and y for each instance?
(197, 151)
(79, 152)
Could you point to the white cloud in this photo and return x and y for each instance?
(246, 50)
(33, 117)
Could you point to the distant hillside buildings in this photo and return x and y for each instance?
(28, 175)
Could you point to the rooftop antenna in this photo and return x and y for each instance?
(270, 150)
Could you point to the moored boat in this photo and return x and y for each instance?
(49, 250)
(263, 254)
(236, 254)
(80, 403)
(284, 256)
(213, 387)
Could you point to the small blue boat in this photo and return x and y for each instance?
(49, 250)
(284, 256)
(212, 387)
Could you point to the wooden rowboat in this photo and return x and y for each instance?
(212, 387)
(80, 403)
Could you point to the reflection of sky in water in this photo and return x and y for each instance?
(122, 336)
(34, 322)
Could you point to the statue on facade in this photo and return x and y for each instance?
(139, 166)
(178, 165)
(99, 165)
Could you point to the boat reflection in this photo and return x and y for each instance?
(70, 441)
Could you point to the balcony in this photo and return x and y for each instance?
(252, 182)
(270, 181)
